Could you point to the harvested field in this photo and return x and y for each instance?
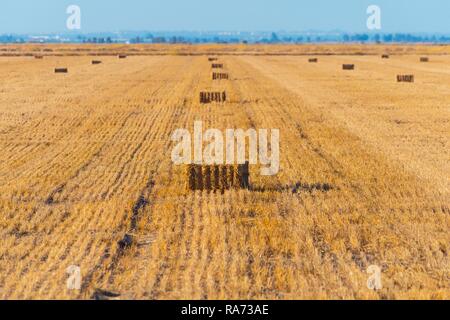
(216, 50)
(86, 177)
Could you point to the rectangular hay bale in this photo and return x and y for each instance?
(208, 97)
(61, 70)
(217, 177)
(348, 67)
(219, 76)
(405, 78)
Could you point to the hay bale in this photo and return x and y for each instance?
(243, 175)
(212, 59)
(207, 185)
(224, 183)
(96, 62)
(208, 97)
(232, 177)
(217, 177)
(190, 172)
(348, 67)
(122, 56)
(219, 76)
(198, 177)
(39, 57)
(313, 60)
(61, 70)
(405, 78)
(385, 56)
(424, 59)
(217, 65)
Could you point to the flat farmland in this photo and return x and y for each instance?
(364, 178)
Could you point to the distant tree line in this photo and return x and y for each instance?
(97, 40)
(272, 38)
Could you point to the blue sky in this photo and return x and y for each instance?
(22, 16)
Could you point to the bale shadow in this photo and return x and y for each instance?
(295, 188)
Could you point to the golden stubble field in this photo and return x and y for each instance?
(364, 179)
